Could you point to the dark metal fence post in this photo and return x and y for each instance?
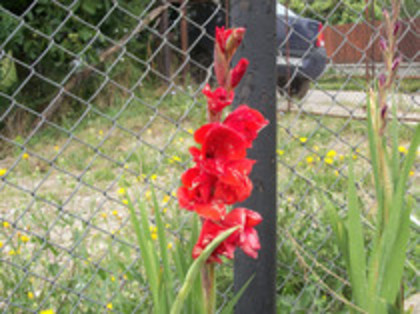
(258, 90)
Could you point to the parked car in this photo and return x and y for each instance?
(307, 55)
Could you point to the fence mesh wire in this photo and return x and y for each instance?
(97, 96)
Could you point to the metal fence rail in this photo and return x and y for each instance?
(101, 95)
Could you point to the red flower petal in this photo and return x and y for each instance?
(247, 121)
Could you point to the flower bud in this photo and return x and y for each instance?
(396, 63)
(397, 28)
(234, 40)
(382, 80)
(383, 44)
(238, 72)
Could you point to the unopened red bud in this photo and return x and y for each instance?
(382, 80)
(234, 41)
(397, 28)
(396, 63)
(383, 44)
(238, 72)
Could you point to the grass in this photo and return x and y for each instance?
(354, 83)
(81, 252)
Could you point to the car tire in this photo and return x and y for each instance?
(298, 88)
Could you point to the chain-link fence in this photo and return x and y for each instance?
(99, 95)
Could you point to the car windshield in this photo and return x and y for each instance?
(281, 10)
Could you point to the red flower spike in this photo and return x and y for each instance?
(238, 72)
(222, 36)
(218, 99)
(247, 121)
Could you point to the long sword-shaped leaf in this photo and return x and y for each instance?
(195, 270)
(356, 245)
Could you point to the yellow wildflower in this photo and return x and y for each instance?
(104, 215)
(101, 132)
(109, 306)
(49, 311)
(166, 199)
(315, 148)
(175, 159)
(341, 157)
(403, 150)
(153, 177)
(30, 295)
(280, 152)
(148, 195)
(12, 252)
(121, 191)
(25, 156)
(125, 202)
(328, 161)
(125, 277)
(336, 173)
(3, 171)
(309, 159)
(181, 139)
(332, 153)
(6, 224)
(153, 229)
(191, 131)
(165, 210)
(411, 173)
(170, 245)
(167, 226)
(112, 278)
(303, 139)
(56, 148)
(354, 156)
(24, 239)
(126, 166)
(154, 236)
(115, 212)
(173, 193)
(1, 244)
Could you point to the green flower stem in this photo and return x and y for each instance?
(209, 287)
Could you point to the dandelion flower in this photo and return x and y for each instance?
(341, 157)
(329, 161)
(153, 177)
(115, 212)
(403, 150)
(354, 156)
(104, 215)
(109, 306)
(170, 245)
(30, 295)
(309, 159)
(3, 171)
(121, 191)
(12, 252)
(280, 152)
(411, 173)
(1, 244)
(166, 199)
(173, 193)
(303, 140)
(49, 311)
(191, 131)
(125, 202)
(154, 236)
(6, 224)
(101, 132)
(25, 156)
(148, 195)
(332, 153)
(112, 278)
(24, 239)
(181, 140)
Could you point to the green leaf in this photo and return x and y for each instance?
(356, 245)
(228, 309)
(195, 269)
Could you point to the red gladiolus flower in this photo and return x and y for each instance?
(218, 99)
(238, 72)
(245, 237)
(246, 121)
(222, 36)
(220, 141)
